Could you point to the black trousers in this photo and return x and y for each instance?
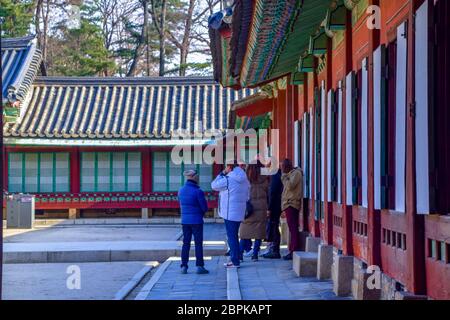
(273, 235)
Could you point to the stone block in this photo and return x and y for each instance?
(25, 257)
(312, 244)
(141, 255)
(79, 256)
(360, 288)
(74, 213)
(403, 295)
(388, 287)
(305, 263)
(303, 235)
(324, 262)
(342, 275)
(361, 291)
(144, 213)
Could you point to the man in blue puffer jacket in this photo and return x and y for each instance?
(193, 207)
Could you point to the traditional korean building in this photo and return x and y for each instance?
(360, 91)
(90, 147)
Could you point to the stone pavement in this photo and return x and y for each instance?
(261, 280)
(275, 280)
(103, 243)
(93, 233)
(176, 286)
(48, 281)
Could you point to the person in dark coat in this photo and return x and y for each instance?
(273, 215)
(193, 207)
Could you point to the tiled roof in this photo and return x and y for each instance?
(123, 108)
(268, 38)
(20, 62)
(242, 19)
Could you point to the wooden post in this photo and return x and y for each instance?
(75, 170)
(374, 218)
(146, 170)
(415, 223)
(347, 210)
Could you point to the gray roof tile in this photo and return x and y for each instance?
(123, 108)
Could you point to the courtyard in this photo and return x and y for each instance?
(131, 261)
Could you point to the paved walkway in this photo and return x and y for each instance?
(48, 281)
(261, 280)
(103, 243)
(275, 280)
(176, 286)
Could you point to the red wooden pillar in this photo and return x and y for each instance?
(282, 122)
(316, 224)
(415, 241)
(146, 170)
(5, 167)
(374, 217)
(328, 206)
(302, 111)
(347, 214)
(296, 102)
(289, 116)
(75, 173)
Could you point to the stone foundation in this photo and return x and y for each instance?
(364, 284)
(304, 263)
(393, 290)
(74, 213)
(303, 236)
(342, 274)
(324, 262)
(312, 244)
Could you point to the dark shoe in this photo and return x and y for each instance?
(288, 256)
(202, 270)
(227, 254)
(184, 270)
(254, 258)
(272, 255)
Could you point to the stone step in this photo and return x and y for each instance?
(305, 263)
(101, 251)
(113, 221)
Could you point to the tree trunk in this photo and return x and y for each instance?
(162, 39)
(146, 35)
(184, 51)
(132, 71)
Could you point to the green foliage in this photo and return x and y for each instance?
(17, 16)
(83, 52)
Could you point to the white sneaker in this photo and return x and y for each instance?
(248, 254)
(230, 265)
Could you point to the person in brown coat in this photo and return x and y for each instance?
(254, 227)
(291, 203)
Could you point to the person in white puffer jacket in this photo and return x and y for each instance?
(233, 187)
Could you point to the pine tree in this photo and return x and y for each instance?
(82, 52)
(17, 16)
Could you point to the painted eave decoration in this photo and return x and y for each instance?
(123, 109)
(336, 16)
(256, 104)
(272, 37)
(21, 60)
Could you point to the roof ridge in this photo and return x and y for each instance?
(18, 42)
(63, 80)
